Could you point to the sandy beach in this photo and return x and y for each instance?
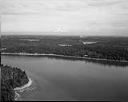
(21, 89)
(37, 54)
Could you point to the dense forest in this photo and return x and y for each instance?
(112, 48)
(11, 77)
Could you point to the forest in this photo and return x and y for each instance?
(104, 47)
(11, 77)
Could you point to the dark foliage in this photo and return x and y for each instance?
(10, 79)
(113, 48)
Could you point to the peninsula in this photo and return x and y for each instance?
(11, 78)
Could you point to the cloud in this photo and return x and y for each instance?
(100, 3)
(72, 15)
(40, 6)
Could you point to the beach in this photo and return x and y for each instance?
(65, 56)
(22, 88)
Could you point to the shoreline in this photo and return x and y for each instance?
(24, 86)
(64, 56)
(21, 89)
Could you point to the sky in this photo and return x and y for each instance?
(87, 17)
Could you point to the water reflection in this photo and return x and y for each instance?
(71, 79)
(100, 62)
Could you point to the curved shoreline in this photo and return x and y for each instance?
(24, 86)
(64, 56)
(17, 95)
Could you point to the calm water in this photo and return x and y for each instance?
(59, 79)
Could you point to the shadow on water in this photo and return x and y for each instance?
(100, 62)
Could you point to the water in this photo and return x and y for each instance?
(59, 79)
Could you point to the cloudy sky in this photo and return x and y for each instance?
(105, 17)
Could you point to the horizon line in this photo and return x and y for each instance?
(81, 34)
